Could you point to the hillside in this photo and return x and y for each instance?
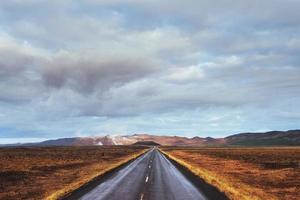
(273, 138)
(146, 143)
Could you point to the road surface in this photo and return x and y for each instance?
(150, 177)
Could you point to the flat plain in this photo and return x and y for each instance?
(50, 172)
(245, 173)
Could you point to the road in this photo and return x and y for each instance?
(150, 177)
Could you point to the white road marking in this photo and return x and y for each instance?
(149, 166)
(147, 179)
(142, 196)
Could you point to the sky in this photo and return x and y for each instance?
(189, 68)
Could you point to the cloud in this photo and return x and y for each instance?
(148, 66)
(88, 73)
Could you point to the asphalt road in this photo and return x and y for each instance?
(150, 177)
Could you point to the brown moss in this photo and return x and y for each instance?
(241, 172)
(40, 173)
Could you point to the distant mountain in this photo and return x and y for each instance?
(273, 138)
(126, 140)
(146, 143)
(90, 141)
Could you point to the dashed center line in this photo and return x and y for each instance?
(142, 196)
(147, 179)
(149, 166)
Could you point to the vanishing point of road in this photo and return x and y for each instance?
(150, 177)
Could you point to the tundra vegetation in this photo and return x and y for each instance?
(245, 173)
(51, 172)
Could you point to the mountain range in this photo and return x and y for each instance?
(272, 138)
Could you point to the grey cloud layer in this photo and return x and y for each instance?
(86, 74)
(131, 59)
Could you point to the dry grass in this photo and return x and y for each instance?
(49, 173)
(245, 173)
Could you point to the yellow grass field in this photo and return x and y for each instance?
(245, 173)
(49, 173)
